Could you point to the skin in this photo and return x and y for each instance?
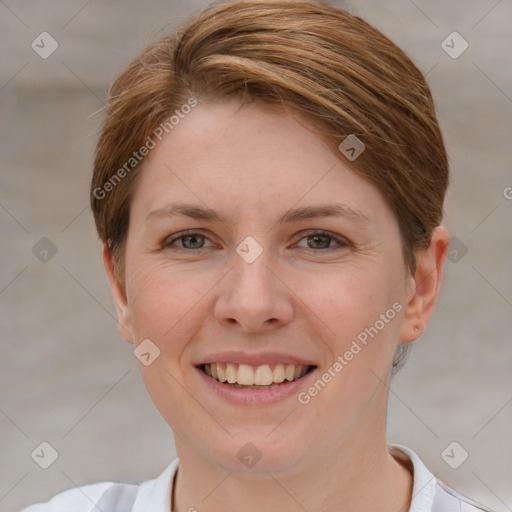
(304, 296)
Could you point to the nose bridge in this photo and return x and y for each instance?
(253, 296)
(253, 275)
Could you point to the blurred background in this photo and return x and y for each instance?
(68, 379)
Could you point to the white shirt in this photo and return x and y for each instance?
(429, 494)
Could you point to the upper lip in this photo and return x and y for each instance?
(258, 359)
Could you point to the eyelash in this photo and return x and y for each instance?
(343, 243)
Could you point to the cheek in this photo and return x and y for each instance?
(163, 303)
(363, 312)
(165, 306)
(362, 308)
(348, 299)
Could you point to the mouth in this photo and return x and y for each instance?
(261, 377)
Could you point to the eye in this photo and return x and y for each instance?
(193, 240)
(189, 240)
(321, 240)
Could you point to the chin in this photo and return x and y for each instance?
(252, 451)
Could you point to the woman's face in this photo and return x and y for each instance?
(277, 255)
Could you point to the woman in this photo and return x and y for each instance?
(268, 187)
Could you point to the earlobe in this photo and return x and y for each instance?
(117, 288)
(423, 289)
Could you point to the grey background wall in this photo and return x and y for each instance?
(68, 379)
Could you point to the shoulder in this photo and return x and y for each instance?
(87, 498)
(429, 493)
(448, 499)
(114, 497)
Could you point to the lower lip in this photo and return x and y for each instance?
(255, 396)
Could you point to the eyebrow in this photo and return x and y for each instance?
(297, 214)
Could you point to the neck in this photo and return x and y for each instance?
(356, 475)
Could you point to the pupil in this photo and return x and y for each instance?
(316, 238)
(194, 240)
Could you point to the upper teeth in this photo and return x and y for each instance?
(247, 375)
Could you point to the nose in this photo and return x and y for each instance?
(253, 297)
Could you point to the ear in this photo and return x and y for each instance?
(119, 295)
(424, 286)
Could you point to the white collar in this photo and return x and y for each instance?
(428, 494)
(155, 495)
(424, 482)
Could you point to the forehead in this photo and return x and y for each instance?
(247, 131)
(253, 156)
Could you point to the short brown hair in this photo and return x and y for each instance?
(320, 61)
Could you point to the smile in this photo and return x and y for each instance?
(265, 376)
